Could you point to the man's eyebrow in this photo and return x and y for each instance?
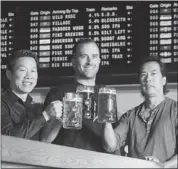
(20, 66)
(82, 55)
(143, 71)
(154, 70)
(25, 66)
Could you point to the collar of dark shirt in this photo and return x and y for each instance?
(147, 114)
(97, 86)
(15, 98)
(144, 111)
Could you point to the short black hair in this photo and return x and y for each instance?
(18, 53)
(83, 41)
(162, 66)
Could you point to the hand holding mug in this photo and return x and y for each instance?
(53, 110)
(157, 162)
(152, 158)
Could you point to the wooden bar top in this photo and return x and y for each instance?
(27, 152)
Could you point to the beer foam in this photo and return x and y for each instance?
(73, 97)
(77, 99)
(107, 90)
(86, 89)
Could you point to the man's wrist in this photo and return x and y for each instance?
(46, 116)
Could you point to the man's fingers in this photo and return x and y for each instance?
(151, 158)
(54, 109)
(57, 105)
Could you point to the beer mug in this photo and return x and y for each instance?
(87, 93)
(72, 112)
(107, 109)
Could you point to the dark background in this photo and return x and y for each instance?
(119, 72)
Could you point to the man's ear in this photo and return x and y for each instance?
(8, 74)
(164, 80)
(99, 60)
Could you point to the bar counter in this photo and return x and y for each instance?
(22, 153)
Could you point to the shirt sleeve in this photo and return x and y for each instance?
(26, 129)
(53, 95)
(121, 129)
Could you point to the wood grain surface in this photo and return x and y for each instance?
(22, 151)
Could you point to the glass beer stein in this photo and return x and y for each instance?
(107, 107)
(72, 113)
(87, 93)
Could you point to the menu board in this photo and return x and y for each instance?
(163, 31)
(125, 32)
(7, 37)
(53, 33)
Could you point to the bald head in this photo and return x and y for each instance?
(86, 59)
(82, 42)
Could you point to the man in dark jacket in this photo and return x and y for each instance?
(19, 115)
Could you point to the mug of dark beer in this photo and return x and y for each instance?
(107, 107)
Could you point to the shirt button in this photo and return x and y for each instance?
(149, 122)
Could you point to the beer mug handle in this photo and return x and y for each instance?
(95, 112)
(95, 118)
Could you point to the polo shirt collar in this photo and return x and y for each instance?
(142, 109)
(15, 98)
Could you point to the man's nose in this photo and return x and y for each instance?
(89, 60)
(28, 75)
(148, 77)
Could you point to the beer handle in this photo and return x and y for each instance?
(95, 114)
(95, 118)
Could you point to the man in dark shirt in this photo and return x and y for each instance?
(20, 118)
(86, 61)
(150, 129)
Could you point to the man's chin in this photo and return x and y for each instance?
(90, 76)
(150, 95)
(29, 90)
(87, 75)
